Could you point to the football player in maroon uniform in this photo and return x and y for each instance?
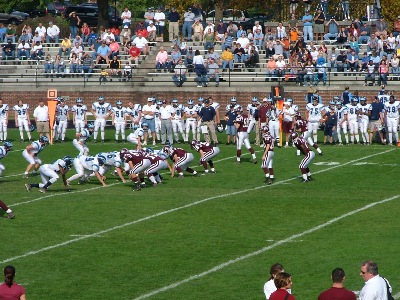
(206, 153)
(158, 162)
(10, 214)
(268, 156)
(137, 162)
(242, 124)
(302, 127)
(181, 159)
(309, 155)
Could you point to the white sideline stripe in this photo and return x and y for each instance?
(397, 296)
(262, 250)
(30, 253)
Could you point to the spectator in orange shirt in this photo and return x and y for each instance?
(114, 47)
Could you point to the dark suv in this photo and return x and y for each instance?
(90, 13)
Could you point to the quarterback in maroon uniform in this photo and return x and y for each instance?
(301, 126)
(207, 152)
(242, 124)
(181, 160)
(268, 156)
(137, 162)
(309, 155)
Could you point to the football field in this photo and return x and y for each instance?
(205, 237)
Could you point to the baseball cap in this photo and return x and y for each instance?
(149, 100)
(307, 11)
(126, 26)
(206, 101)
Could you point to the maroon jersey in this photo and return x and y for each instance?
(202, 146)
(268, 140)
(134, 156)
(301, 125)
(262, 113)
(152, 157)
(301, 144)
(178, 151)
(243, 121)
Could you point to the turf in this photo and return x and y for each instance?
(210, 237)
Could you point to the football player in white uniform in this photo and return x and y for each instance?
(177, 120)
(252, 110)
(3, 120)
(101, 110)
(111, 159)
(268, 155)
(137, 135)
(79, 115)
(62, 118)
(81, 137)
(314, 116)
(363, 119)
(191, 116)
(119, 120)
(50, 174)
(233, 102)
(352, 119)
(392, 120)
(31, 154)
(22, 119)
(3, 152)
(198, 107)
(341, 112)
(157, 119)
(242, 123)
(134, 112)
(85, 166)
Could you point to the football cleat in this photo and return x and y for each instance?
(305, 180)
(254, 160)
(10, 215)
(42, 190)
(28, 187)
(270, 181)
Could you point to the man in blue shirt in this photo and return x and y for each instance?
(207, 115)
(376, 118)
(307, 27)
(103, 52)
(173, 27)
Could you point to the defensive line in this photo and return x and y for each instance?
(265, 249)
(165, 212)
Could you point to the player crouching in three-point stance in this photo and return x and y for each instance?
(3, 152)
(85, 166)
(137, 163)
(9, 212)
(206, 153)
(268, 156)
(158, 162)
(81, 138)
(309, 155)
(181, 160)
(31, 154)
(49, 174)
(242, 124)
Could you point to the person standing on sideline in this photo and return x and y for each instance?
(22, 120)
(283, 283)
(101, 110)
(166, 114)
(3, 120)
(173, 27)
(376, 287)
(208, 115)
(9, 212)
(337, 291)
(41, 115)
(9, 289)
(269, 286)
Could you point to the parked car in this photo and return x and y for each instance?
(11, 18)
(21, 13)
(90, 13)
(236, 16)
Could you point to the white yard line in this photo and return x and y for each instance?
(262, 250)
(165, 212)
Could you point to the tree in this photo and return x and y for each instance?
(103, 13)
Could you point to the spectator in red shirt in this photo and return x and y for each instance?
(134, 53)
(114, 47)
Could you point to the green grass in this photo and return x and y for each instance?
(112, 243)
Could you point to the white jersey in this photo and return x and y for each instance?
(314, 112)
(22, 111)
(229, 106)
(190, 112)
(383, 98)
(215, 105)
(101, 110)
(198, 107)
(85, 135)
(252, 110)
(352, 112)
(364, 109)
(62, 112)
(134, 111)
(79, 111)
(112, 158)
(89, 163)
(341, 113)
(179, 111)
(55, 166)
(3, 111)
(119, 114)
(392, 109)
(37, 147)
(3, 152)
(138, 133)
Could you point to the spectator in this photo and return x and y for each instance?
(346, 10)
(9, 289)
(337, 291)
(87, 64)
(189, 57)
(114, 47)
(59, 66)
(200, 69)
(9, 51)
(383, 71)
(208, 39)
(93, 36)
(77, 49)
(307, 27)
(258, 38)
(188, 20)
(3, 30)
(272, 69)
(179, 76)
(352, 61)
(342, 36)
(115, 68)
(152, 32)
(42, 32)
(127, 71)
(24, 37)
(37, 51)
(41, 115)
(396, 27)
(103, 53)
(27, 28)
(10, 33)
(36, 38)
(197, 32)
(173, 27)
(141, 43)
(53, 33)
(243, 41)
(23, 50)
(65, 48)
(227, 58)
(381, 28)
(226, 41)
(108, 35)
(213, 71)
(283, 283)
(376, 287)
(332, 30)
(354, 44)
(134, 53)
(126, 17)
(353, 31)
(49, 65)
(74, 22)
(148, 16)
(85, 33)
(175, 57)
(159, 20)
(162, 60)
(394, 63)
(320, 71)
(126, 33)
(74, 63)
(371, 72)
(232, 29)
(220, 29)
(240, 31)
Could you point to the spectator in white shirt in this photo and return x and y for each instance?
(53, 33)
(41, 115)
(256, 26)
(280, 31)
(126, 17)
(152, 30)
(41, 30)
(141, 43)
